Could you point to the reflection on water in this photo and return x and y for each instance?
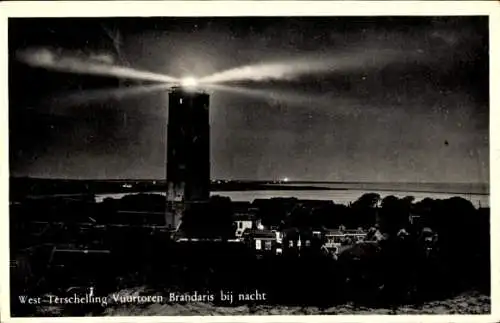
(339, 197)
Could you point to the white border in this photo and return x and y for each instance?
(257, 8)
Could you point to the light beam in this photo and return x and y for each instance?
(292, 98)
(99, 95)
(45, 58)
(309, 65)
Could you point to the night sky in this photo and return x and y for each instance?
(420, 115)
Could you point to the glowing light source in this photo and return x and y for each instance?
(189, 82)
(285, 179)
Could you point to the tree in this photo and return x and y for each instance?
(209, 220)
(221, 217)
(394, 215)
(363, 210)
(408, 200)
(300, 217)
(367, 200)
(274, 211)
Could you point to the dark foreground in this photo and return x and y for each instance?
(450, 273)
(467, 303)
(372, 280)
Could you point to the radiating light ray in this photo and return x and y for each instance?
(309, 65)
(48, 59)
(265, 94)
(90, 96)
(278, 95)
(289, 98)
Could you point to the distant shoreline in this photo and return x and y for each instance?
(274, 188)
(279, 188)
(37, 187)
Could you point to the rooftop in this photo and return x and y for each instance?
(259, 233)
(243, 217)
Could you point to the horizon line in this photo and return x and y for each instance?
(281, 181)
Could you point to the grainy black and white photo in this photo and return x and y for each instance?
(259, 165)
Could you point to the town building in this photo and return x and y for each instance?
(243, 222)
(339, 238)
(298, 242)
(262, 241)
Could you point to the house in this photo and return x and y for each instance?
(357, 235)
(296, 241)
(243, 221)
(333, 238)
(340, 237)
(337, 241)
(262, 241)
(374, 235)
(242, 225)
